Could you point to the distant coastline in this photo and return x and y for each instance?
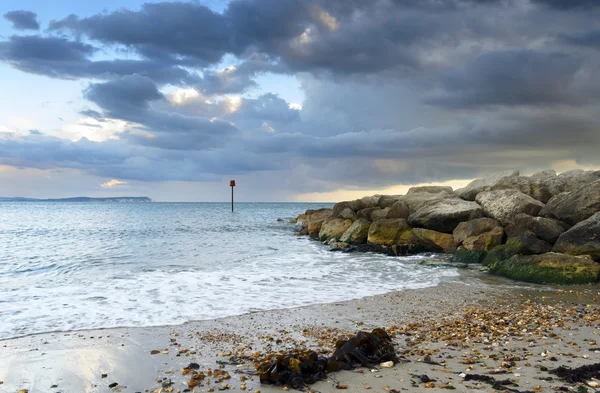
(79, 199)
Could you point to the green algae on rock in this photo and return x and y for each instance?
(549, 268)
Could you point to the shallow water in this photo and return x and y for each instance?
(68, 266)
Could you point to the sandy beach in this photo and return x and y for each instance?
(475, 325)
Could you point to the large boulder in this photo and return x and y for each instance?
(540, 186)
(546, 229)
(582, 239)
(549, 268)
(334, 228)
(398, 210)
(474, 227)
(339, 207)
(379, 214)
(443, 215)
(433, 241)
(357, 233)
(347, 214)
(574, 206)
(366, 213)
(318, 214)
(417, 200)
(369, 201)
(387, 201)
(527, 243)
(430, 190)
(388, 232)
(484, 241)
(505, 205)
(477, 186)
(314, 227)
(577, 178)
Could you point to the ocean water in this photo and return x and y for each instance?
(70, 266)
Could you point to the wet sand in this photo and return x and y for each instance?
(475, 325)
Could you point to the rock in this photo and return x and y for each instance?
(357, 233)
(379, 214)
(541, 186)
(527, 243)
(582, 239)
(430, 190)
(480, 185)
(505, 205)
(386, 364)
(347, 214)
(398, 210)
(314, 227)
(484, 241)
(468, 256)
(549, 268)
(388, 232)
(387, 201)
(577, 178)
(417, 200)
(574, 206)
(366, 213)
(444, 215)
(546, 229)
(318, 214)
(433, 241)
(474, 227)
(338, 208)
(334, 228)
(369, 201)
(338, 246)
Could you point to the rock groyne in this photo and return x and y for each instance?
(543, 228)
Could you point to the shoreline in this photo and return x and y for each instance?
(75, 361)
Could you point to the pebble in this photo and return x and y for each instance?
(387, 364)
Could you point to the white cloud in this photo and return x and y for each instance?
(113, 183)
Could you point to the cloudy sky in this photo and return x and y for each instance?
(295, 99)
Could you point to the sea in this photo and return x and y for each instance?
(73, 266)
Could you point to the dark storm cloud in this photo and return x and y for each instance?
(511, 77)
(566, 5)
(589, 39)
(62, 58)
(23, 20)
(129, 99)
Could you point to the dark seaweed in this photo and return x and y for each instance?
(579, 374)
(299, 369)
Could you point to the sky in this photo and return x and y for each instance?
(297, 100)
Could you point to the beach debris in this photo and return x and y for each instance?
(297, 369)
(112, 385)
(579, 374)
(154, 352)
(103, 375)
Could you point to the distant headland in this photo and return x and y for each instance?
(79, 199)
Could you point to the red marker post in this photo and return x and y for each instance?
(232, 184)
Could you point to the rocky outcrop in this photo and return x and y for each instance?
(582, 239)
(357, 233)
(574, 206)
(500, 222)
(546, 229)
(334, 228)
(549, 268)
(398, 210)
(444, 215)
(474, 227)
(477, 186)
(433, 241)
(389, 232)
(505, 205)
